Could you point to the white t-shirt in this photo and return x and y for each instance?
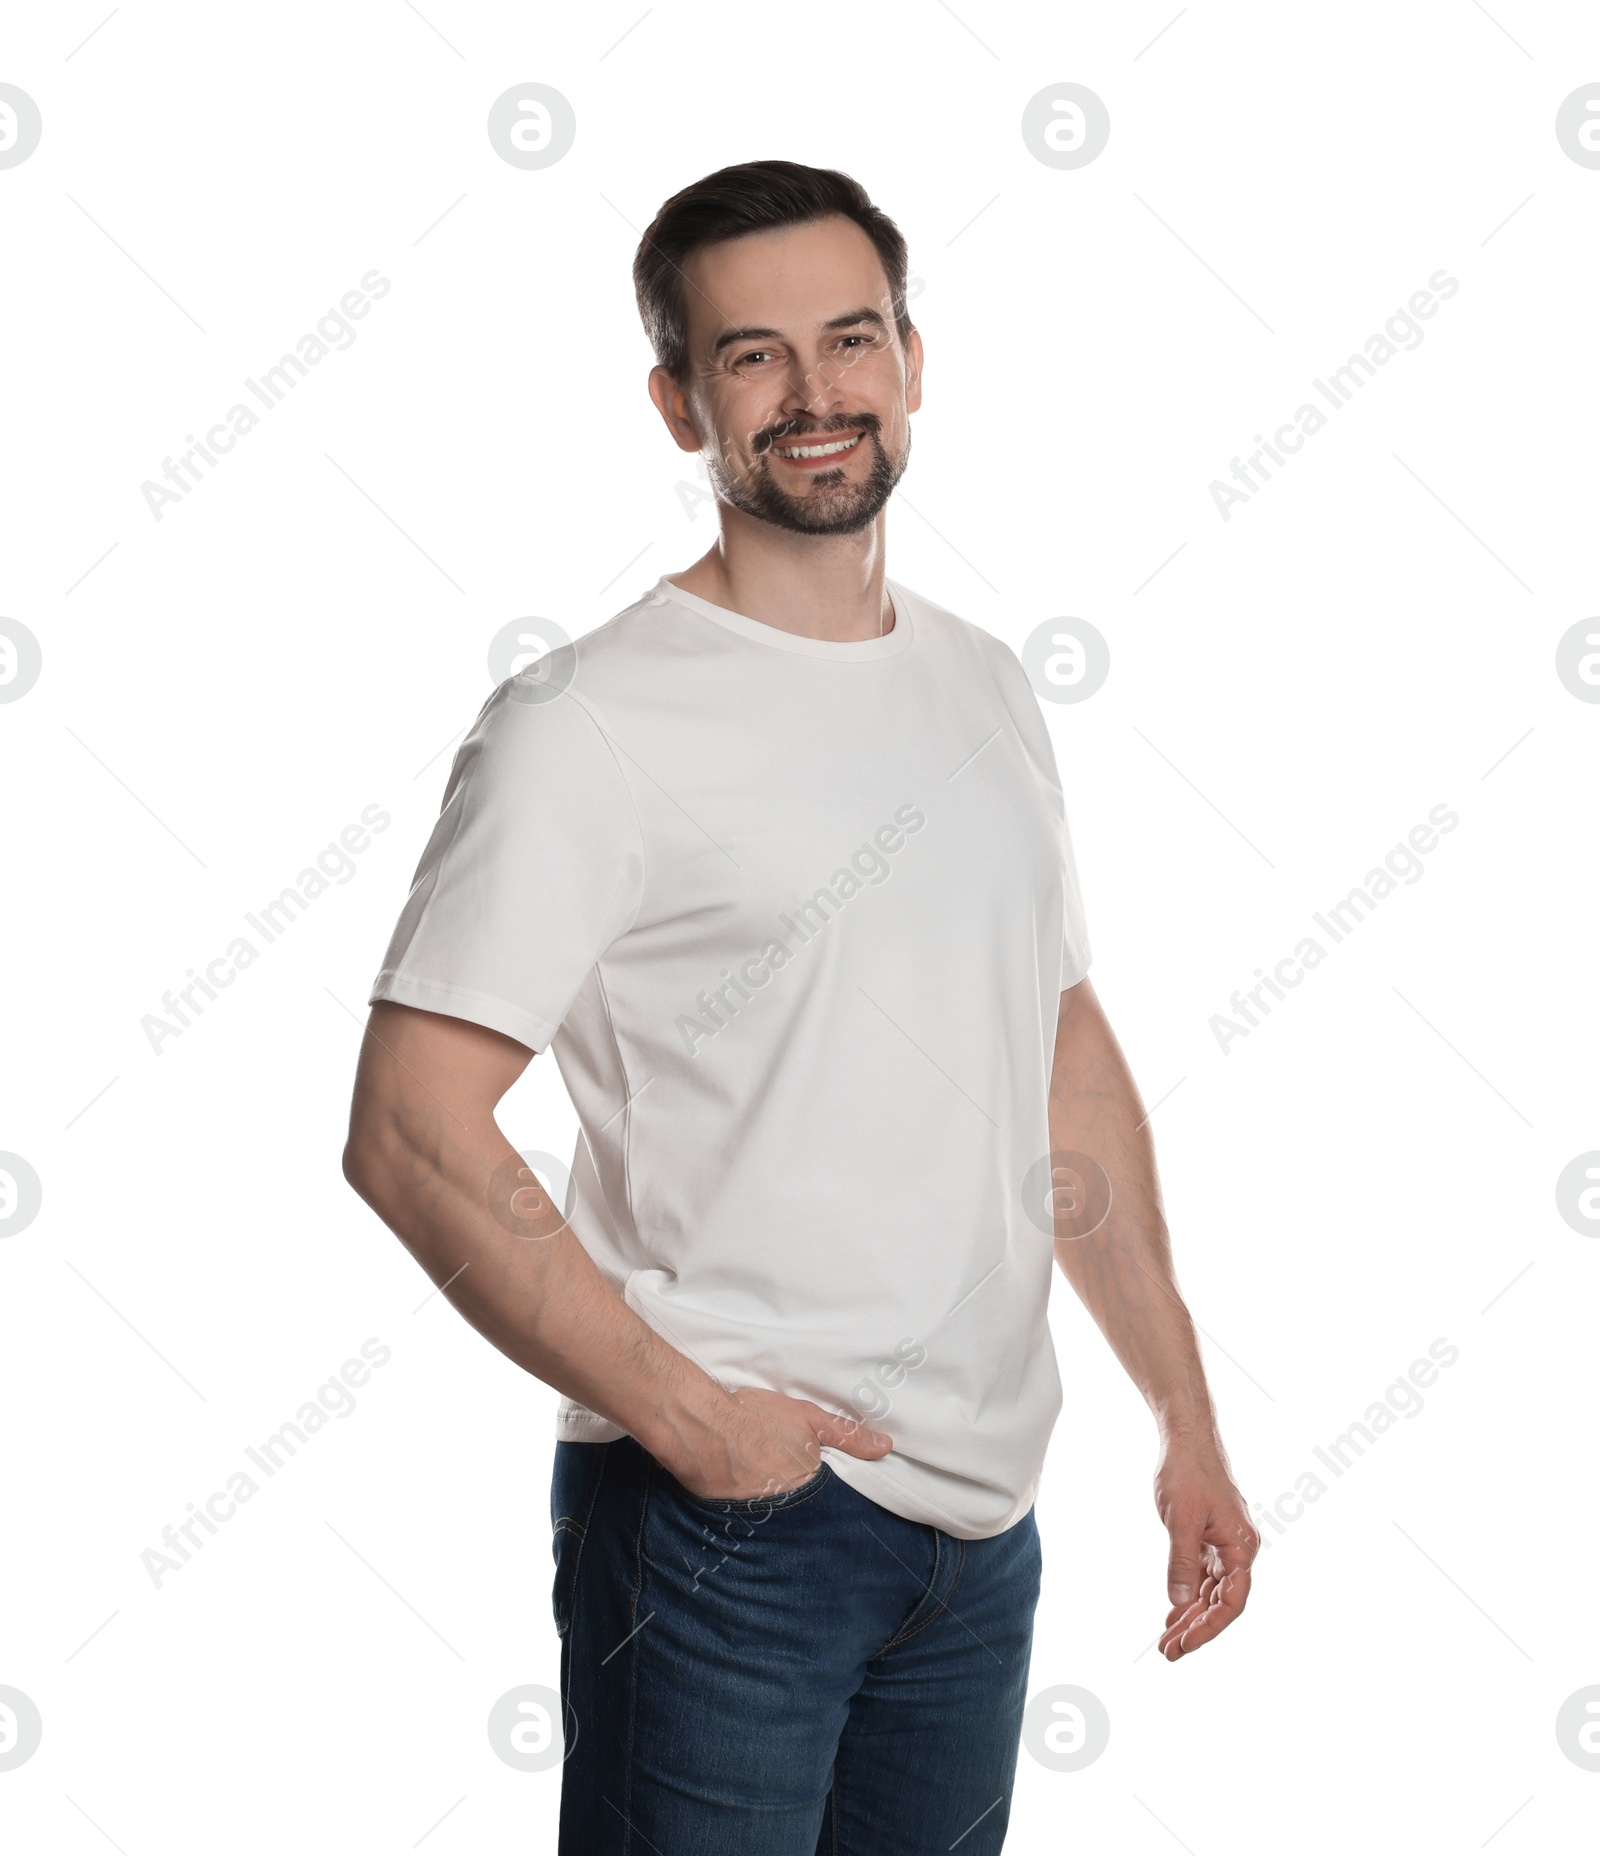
(794, 917)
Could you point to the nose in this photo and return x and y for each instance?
(813, 390)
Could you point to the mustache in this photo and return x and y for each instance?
(789, 433)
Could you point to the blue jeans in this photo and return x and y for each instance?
(801, 1675)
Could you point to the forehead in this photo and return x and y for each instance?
(793, 280)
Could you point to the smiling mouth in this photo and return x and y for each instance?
(818, 451)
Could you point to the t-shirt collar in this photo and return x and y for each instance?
(849, 651)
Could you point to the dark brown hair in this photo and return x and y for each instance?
(755, 196)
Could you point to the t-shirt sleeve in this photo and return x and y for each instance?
(534, 867)
(1034, 731)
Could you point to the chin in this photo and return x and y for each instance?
(841, 523)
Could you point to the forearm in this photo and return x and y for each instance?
(500, 1251)
(1122, 1271)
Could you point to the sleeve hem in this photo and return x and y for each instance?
(1077, 967)
(479, 1008)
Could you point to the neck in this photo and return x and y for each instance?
(818, 586)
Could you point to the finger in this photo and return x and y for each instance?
(1181, 1616)
(1177, 1624)
(1231, 1550)
(1173, 1638)
(1213, 1621)
(1234, 1548)
(1227, 1602)
(802, 1452)
(1197, 1604)
(1187, 1528)
(849, 1434)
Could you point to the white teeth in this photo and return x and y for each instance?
(816, 451)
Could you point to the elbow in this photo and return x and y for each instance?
(356, 1164)
(367, 1162)
(383, 1163)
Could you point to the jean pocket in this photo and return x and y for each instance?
(763, 1504)
(567, 1547)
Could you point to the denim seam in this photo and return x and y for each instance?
(633, 1658)
(943, 1604)
(581, 1528)
(928, 1591)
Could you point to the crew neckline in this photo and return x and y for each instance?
(843, 651)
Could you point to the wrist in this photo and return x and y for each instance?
(1188, 1431)
(687, 1422)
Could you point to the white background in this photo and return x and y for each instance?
(225, 689)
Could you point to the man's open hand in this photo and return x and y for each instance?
(1213, 1544)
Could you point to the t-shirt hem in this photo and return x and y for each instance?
(864, 1475)
(575, 1425)
(480, 1008)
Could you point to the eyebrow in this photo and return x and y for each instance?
(731, 337)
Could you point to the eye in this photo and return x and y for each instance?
(752, 355)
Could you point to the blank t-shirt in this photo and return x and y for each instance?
(794, 918)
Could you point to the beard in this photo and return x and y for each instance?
(831, 505)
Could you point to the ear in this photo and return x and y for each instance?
(914, 371)
(673, 405)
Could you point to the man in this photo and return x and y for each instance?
(776, 863)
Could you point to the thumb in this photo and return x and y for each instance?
(1183, 1563)
(851, 1435)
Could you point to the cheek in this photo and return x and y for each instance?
(743, 420)
(891, 408)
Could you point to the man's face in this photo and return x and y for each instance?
(792, 346)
